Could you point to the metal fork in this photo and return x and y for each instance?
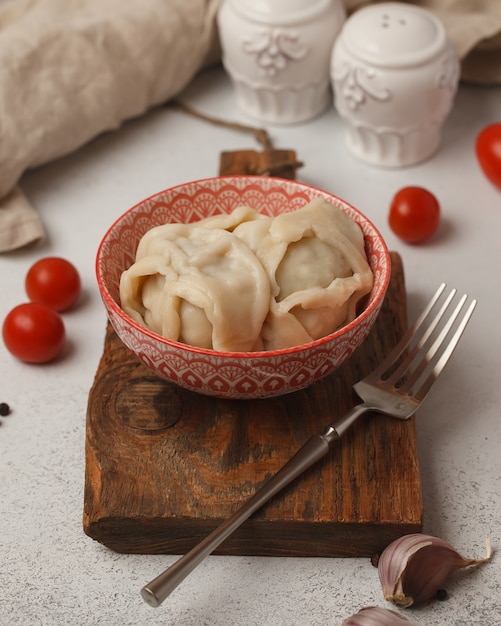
(395, 388)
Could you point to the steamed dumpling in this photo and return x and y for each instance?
(244, 281)
(197, 285)
(318, 270)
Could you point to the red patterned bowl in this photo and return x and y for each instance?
(232, 374)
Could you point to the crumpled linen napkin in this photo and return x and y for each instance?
(72, 69)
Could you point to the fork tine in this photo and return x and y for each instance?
(417, 341)
(407, 338)
(448, 348)
(423, 357)
(418, 358)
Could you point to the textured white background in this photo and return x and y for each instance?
(51, 573)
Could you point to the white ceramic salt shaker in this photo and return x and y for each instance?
(277, 54)
(395, 75)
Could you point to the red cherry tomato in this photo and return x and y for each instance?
(414, 214)
(33, 332)
(488, 149)
(53, 281)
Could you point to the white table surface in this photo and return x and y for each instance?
(51, 573)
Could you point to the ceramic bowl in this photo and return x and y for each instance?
(243, 375)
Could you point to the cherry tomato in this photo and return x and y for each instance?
(414, 214)
(488, 149)
(53, 281)
(33, 332)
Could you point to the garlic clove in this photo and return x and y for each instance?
(412, 568)
(376, 616)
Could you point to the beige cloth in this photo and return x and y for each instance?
(20, 223)
(72, 69)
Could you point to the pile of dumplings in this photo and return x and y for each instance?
(245, 282)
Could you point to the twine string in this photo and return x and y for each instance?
(260, 134)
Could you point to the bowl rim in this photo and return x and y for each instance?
(112, 304)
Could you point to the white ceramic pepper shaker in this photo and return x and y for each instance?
(277, 54)
(395, 75)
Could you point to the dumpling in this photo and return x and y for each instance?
(229, 221)
(197, 285)
(317, 267)
(244, 281)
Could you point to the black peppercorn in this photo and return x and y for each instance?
(4, 409)
(441, 594)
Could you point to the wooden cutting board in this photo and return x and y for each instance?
(165, 466)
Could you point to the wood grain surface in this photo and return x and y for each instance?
(164, 466)
(280, 163)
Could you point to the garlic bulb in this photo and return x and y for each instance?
(375, 616)
(412, 568)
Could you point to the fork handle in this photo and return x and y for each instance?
(155, 592)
